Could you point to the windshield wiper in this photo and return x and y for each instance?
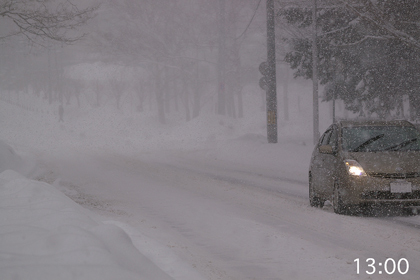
(401, 145)
(369, 141)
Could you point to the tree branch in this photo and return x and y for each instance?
(378, 19)
(37, 21)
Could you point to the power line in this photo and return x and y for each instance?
(255, 12)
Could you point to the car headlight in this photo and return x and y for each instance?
(354, 168)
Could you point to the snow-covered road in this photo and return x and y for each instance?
(208, 199)
(222, 219)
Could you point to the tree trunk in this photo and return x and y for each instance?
(240, 104)
(197, 94)
(286, 94)
(221, 71)
(166, 91)
(160, 96)
(186, 101)
(175, 92)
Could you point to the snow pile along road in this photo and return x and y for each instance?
(8, 158)
(45, 235)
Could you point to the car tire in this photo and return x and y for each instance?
(338, 205)
(314, 200)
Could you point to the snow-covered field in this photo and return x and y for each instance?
(115, 195)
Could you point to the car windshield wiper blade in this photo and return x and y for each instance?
(369, 141)
(401, 145)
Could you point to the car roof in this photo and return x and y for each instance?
(350, 123)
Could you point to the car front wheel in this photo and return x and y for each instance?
(314, 200)
(339, 206)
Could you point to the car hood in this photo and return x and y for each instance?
(388, 162)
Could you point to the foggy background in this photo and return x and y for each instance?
(159, 57)
(141, 129)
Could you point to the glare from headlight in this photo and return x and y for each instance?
(354, 168)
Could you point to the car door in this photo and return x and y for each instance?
(329, 162)
(317, 165)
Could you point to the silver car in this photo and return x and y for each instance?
(363, 163)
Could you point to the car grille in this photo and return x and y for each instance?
(395, 175)
(388, 195)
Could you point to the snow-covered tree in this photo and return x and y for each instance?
(368, 52)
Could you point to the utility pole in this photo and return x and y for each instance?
(221, 71)
(315, 74)
(271, 90)
(49, 75)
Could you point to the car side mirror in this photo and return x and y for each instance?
(326, 149)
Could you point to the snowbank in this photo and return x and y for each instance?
(45, 235)
(8, 158)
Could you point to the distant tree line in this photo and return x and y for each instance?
(369, 52)
(178, 43)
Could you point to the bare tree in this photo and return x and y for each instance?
(176, 41)
(159, 35)
(117, 87)
(41, 20)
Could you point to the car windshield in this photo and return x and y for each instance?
(380, 138)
